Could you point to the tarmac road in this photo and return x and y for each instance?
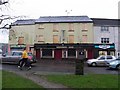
(58, 67)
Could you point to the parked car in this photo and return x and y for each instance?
(15, 57)
(115, 64)
(101, 60)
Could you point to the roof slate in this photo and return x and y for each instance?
(105, 22)
(24, 22)
(62, 19)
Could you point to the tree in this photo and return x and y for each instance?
(5, 20)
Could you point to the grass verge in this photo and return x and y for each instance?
(85, 81)
(11, 80)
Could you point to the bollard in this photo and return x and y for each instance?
(79, 69)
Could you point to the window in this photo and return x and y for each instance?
(63, 35)
(84, 26)
(21, 40)
(104, 28)
(109, 57)
(101, 58)
(71, 53)
(55, 27)
(84, 38)
(71, 27)
(46, 52)
(55, 39)
(41, 26)
(71, 38)
(84, 30)
(40, 38)
(104, 40)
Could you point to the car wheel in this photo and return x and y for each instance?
(93, 64)
(118, 67)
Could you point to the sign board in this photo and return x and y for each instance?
(104, 46)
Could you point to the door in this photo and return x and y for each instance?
(89, 53)
(37, 53)
(58, 54)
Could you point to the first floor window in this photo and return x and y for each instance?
(104, 40)
(21, 40)
(71, 38)
(55, 39)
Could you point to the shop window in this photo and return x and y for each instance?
(46, 52)
(71, 53)
(102, 53)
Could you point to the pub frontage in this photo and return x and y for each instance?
(70, 51)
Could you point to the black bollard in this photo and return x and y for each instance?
(79, 69)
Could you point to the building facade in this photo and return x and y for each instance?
(107, 31)
(58, 37)
(21, 34)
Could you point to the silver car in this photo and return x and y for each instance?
(115, 64)
(100, 61)
(15, 57)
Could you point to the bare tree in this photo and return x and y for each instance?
(3, 2)
(5, 20)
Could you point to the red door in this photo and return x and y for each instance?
(38, 54)
(90, 54)
(58, 54)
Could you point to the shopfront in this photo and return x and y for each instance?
(69, 51)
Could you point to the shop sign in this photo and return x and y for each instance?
(61, 47)
(104, 46)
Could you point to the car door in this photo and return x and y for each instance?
(101, 60)
(6, 59)
(16, 56)
(109, 58)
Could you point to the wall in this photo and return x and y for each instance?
(26, 31)
(47, 32)
(112, 34)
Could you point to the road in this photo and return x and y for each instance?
(58, 67)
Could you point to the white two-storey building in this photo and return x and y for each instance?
(107, 31)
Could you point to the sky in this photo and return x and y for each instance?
(36, 8)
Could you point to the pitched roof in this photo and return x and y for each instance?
(63, 19)
(24, 22)
(105, 22)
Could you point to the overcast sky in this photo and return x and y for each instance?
(92, 8)
(37, 8)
